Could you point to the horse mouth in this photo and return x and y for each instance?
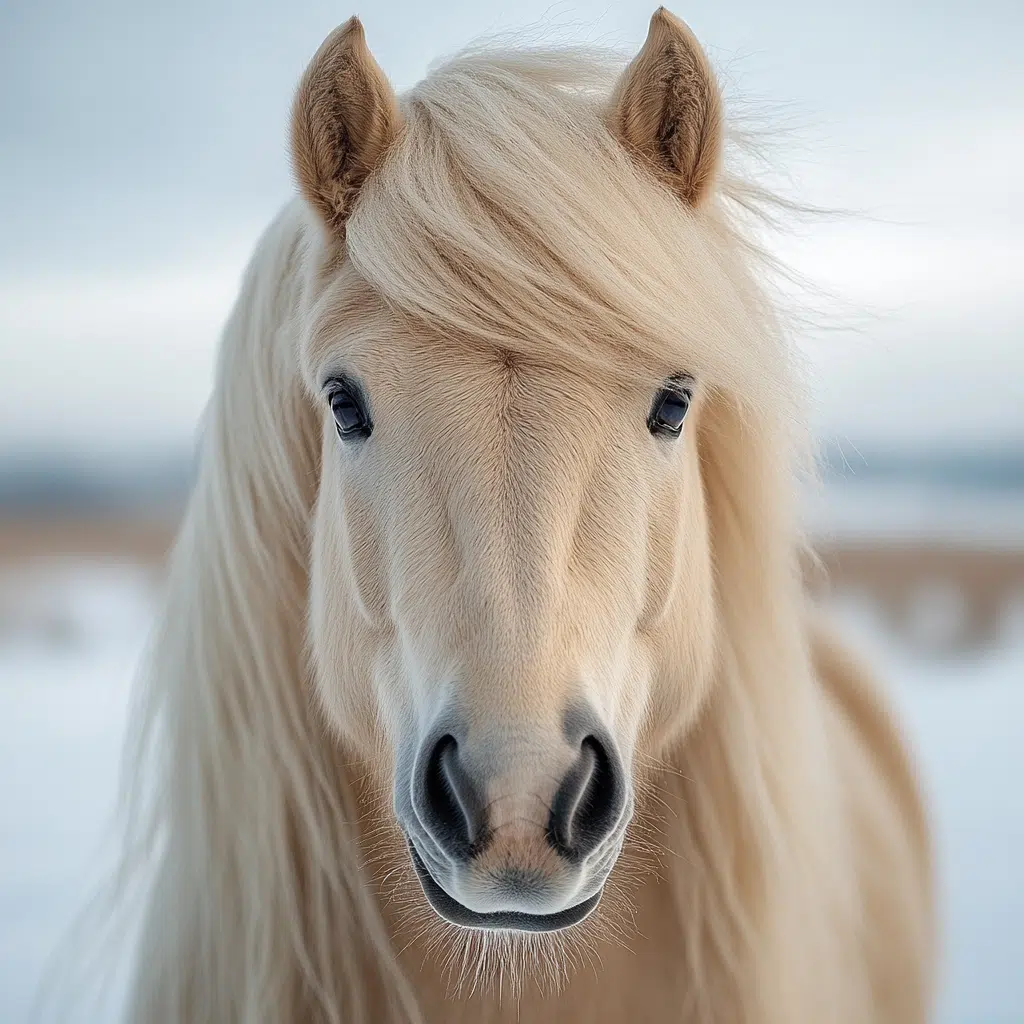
(452, 911)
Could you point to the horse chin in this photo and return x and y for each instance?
(451, 910)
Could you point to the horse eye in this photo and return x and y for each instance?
(670, 406)
(350, 417)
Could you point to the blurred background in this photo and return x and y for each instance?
(143, 149)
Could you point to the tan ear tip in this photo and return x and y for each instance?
(661, 24)
(351, 33)
(663, 20)
(353, 26)
(665, 25)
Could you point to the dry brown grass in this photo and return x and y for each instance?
(45, 537)
(889, 573)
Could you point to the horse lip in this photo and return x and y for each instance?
(449, 908)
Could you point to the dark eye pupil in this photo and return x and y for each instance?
(351, 420)
(669, 410)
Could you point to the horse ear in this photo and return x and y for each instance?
(344, 118)
(667, 109)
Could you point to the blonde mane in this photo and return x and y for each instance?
(504, 216)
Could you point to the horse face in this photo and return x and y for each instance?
(510, 578)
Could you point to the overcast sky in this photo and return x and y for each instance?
(142, 150)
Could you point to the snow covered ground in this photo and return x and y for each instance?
(966, 719)
(67, 646)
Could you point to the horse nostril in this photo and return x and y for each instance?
(589, 801)
(450, 808)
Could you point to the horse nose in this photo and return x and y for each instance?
(448, 802)
(457, 790)
(589, 801)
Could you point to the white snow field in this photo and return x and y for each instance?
(68, 642)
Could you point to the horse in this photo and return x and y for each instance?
(486, 686)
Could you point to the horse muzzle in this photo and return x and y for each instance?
(512, 830)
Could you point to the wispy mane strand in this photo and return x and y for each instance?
(507, 214)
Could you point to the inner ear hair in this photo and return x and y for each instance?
(667, 109)
(344, 118)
